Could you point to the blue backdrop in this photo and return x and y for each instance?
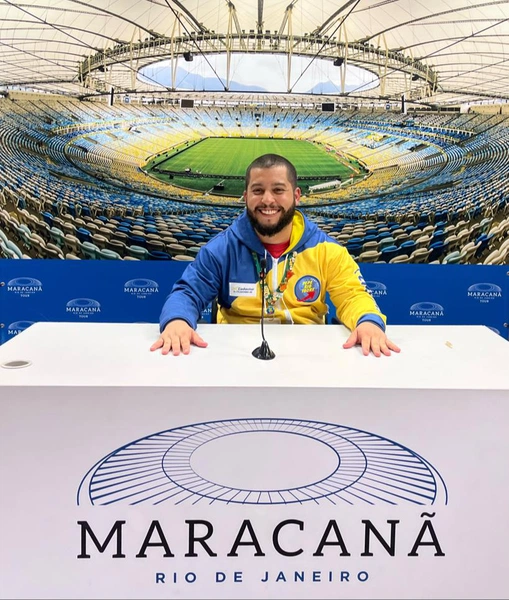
(134, 291)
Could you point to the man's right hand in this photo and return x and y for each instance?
(178, 336)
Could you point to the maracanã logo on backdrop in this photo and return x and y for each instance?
(376, 288)
(24, 286)
(83, 308)
(426, 311)
(484, 292)
(141, 288)
(263, 461)
(18, 327)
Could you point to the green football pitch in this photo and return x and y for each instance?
(218, 165)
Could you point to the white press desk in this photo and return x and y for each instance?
(321, 473)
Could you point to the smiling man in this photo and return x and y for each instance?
(303, 264)
(271, 200)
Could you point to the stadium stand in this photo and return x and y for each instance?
(72, 178)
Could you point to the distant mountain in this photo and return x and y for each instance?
(186, 80)
(328, 87)
(195, 82)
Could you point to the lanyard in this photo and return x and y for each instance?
(271, 298)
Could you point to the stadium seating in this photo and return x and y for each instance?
(442, 180)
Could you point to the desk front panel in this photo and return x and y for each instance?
(253, 492)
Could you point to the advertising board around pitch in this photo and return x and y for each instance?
(256, 491)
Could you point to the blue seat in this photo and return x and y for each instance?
(57, 236)
(385, 242)
(437, 250)
(354, 249)
(158, 255)
(389, 252)
(193, 251)
(452, 258)
(14, 249)
(370, 238)
(83, 235)
(48, 218)
(138, 252)
(89, 250)
(136, 240)
(3, 237)
(23, 232)
(408, 247)
(438, 236)
(107, 254)
(483, 241)
(355, 240)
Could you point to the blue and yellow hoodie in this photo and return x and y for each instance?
(226, 268)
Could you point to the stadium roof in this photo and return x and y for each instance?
(434, 51)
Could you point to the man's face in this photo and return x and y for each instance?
(270, 200)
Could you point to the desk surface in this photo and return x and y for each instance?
(104, 354)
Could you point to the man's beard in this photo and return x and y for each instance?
(286, 217)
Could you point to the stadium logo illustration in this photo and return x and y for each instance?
(24, 286)
(427, 311)
(18, 326)
(376, 288)
(83, 308)
(263, 461)
(307, 289)
(141, 288)
(484, 292)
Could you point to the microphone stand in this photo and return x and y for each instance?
(263, 352)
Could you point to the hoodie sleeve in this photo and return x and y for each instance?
(192, 293)
(348, 291)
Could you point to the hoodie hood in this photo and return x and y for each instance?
(302, 230)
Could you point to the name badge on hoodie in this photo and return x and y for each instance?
(243, 289)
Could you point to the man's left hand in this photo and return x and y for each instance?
(371, 337)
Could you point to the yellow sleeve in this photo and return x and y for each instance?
(346, 287)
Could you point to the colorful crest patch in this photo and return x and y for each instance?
(307, 289)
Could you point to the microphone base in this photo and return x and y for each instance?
(263, 352)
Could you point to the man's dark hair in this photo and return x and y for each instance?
(273, 160)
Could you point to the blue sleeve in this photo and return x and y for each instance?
(192, 293)
(372, 318)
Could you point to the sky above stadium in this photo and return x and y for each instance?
(451, 52)
(259, 73)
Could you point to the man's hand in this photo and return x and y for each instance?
(177, 336)
(371, 337)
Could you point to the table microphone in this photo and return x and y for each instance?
(263, 352)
